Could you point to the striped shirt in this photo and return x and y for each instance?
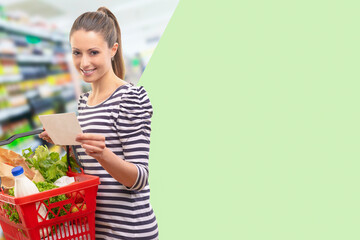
(124, 119)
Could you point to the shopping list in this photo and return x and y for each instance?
(62, 127)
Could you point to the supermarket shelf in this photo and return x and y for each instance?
(11, 78)
(67, 94)
(41, 104)
(8, 55)
(9, 113)
(35, 73)
(33, 31)
(33, 144)
(33, 59)
(31, 93)
(40, 59)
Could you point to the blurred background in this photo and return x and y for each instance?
(36, 72)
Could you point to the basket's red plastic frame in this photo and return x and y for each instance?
(26, 206)
(82, 181)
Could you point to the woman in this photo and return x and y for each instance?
(115, 118)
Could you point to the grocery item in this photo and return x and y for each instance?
(9, 160)
(39, 166)
(7, 180)
(49, 164)
(24, 187)
(70, 209)
(65, 214)
(13, 159)
(63, 181)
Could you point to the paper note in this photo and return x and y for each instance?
(62, 128)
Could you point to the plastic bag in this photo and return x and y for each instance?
(63, 181)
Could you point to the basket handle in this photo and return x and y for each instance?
(35, 132)
(20, 135)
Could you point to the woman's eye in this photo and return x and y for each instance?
(94, 52)
(75, 53)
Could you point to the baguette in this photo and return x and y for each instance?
(13, 159)
(7, 179)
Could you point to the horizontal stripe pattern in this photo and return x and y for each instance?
(125, 121)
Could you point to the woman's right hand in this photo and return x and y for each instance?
(45, 136)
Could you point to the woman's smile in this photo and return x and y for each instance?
(107, 111)
(91, 55)
(88, 72)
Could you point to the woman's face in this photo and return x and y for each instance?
(91, 55)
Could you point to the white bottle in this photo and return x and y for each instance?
(24, 187)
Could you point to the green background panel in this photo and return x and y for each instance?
(255, 126)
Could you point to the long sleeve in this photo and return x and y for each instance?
(134, 126)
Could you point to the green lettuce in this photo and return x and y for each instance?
(13, 214)
(50, 164)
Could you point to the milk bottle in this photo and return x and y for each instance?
(24, 187)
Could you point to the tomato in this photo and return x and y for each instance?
(78, 196)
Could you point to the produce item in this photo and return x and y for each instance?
(11, 211)
(24, 187)
(41, 186)
(49, 164)
(39, 166)
(46, 167)
(44, 186)
(78, 207)
(77, 196)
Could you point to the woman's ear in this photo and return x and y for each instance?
(114, 49)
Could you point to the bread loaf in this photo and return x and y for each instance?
(10, 159)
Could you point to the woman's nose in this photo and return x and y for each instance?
(84, 62)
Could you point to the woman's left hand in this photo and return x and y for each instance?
(94, 144)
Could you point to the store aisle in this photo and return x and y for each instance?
(37, 76)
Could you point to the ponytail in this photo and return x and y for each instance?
(103, 21)
(118, 63)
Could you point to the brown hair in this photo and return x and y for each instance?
(104, 22)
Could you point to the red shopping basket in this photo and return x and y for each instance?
(70, 219)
